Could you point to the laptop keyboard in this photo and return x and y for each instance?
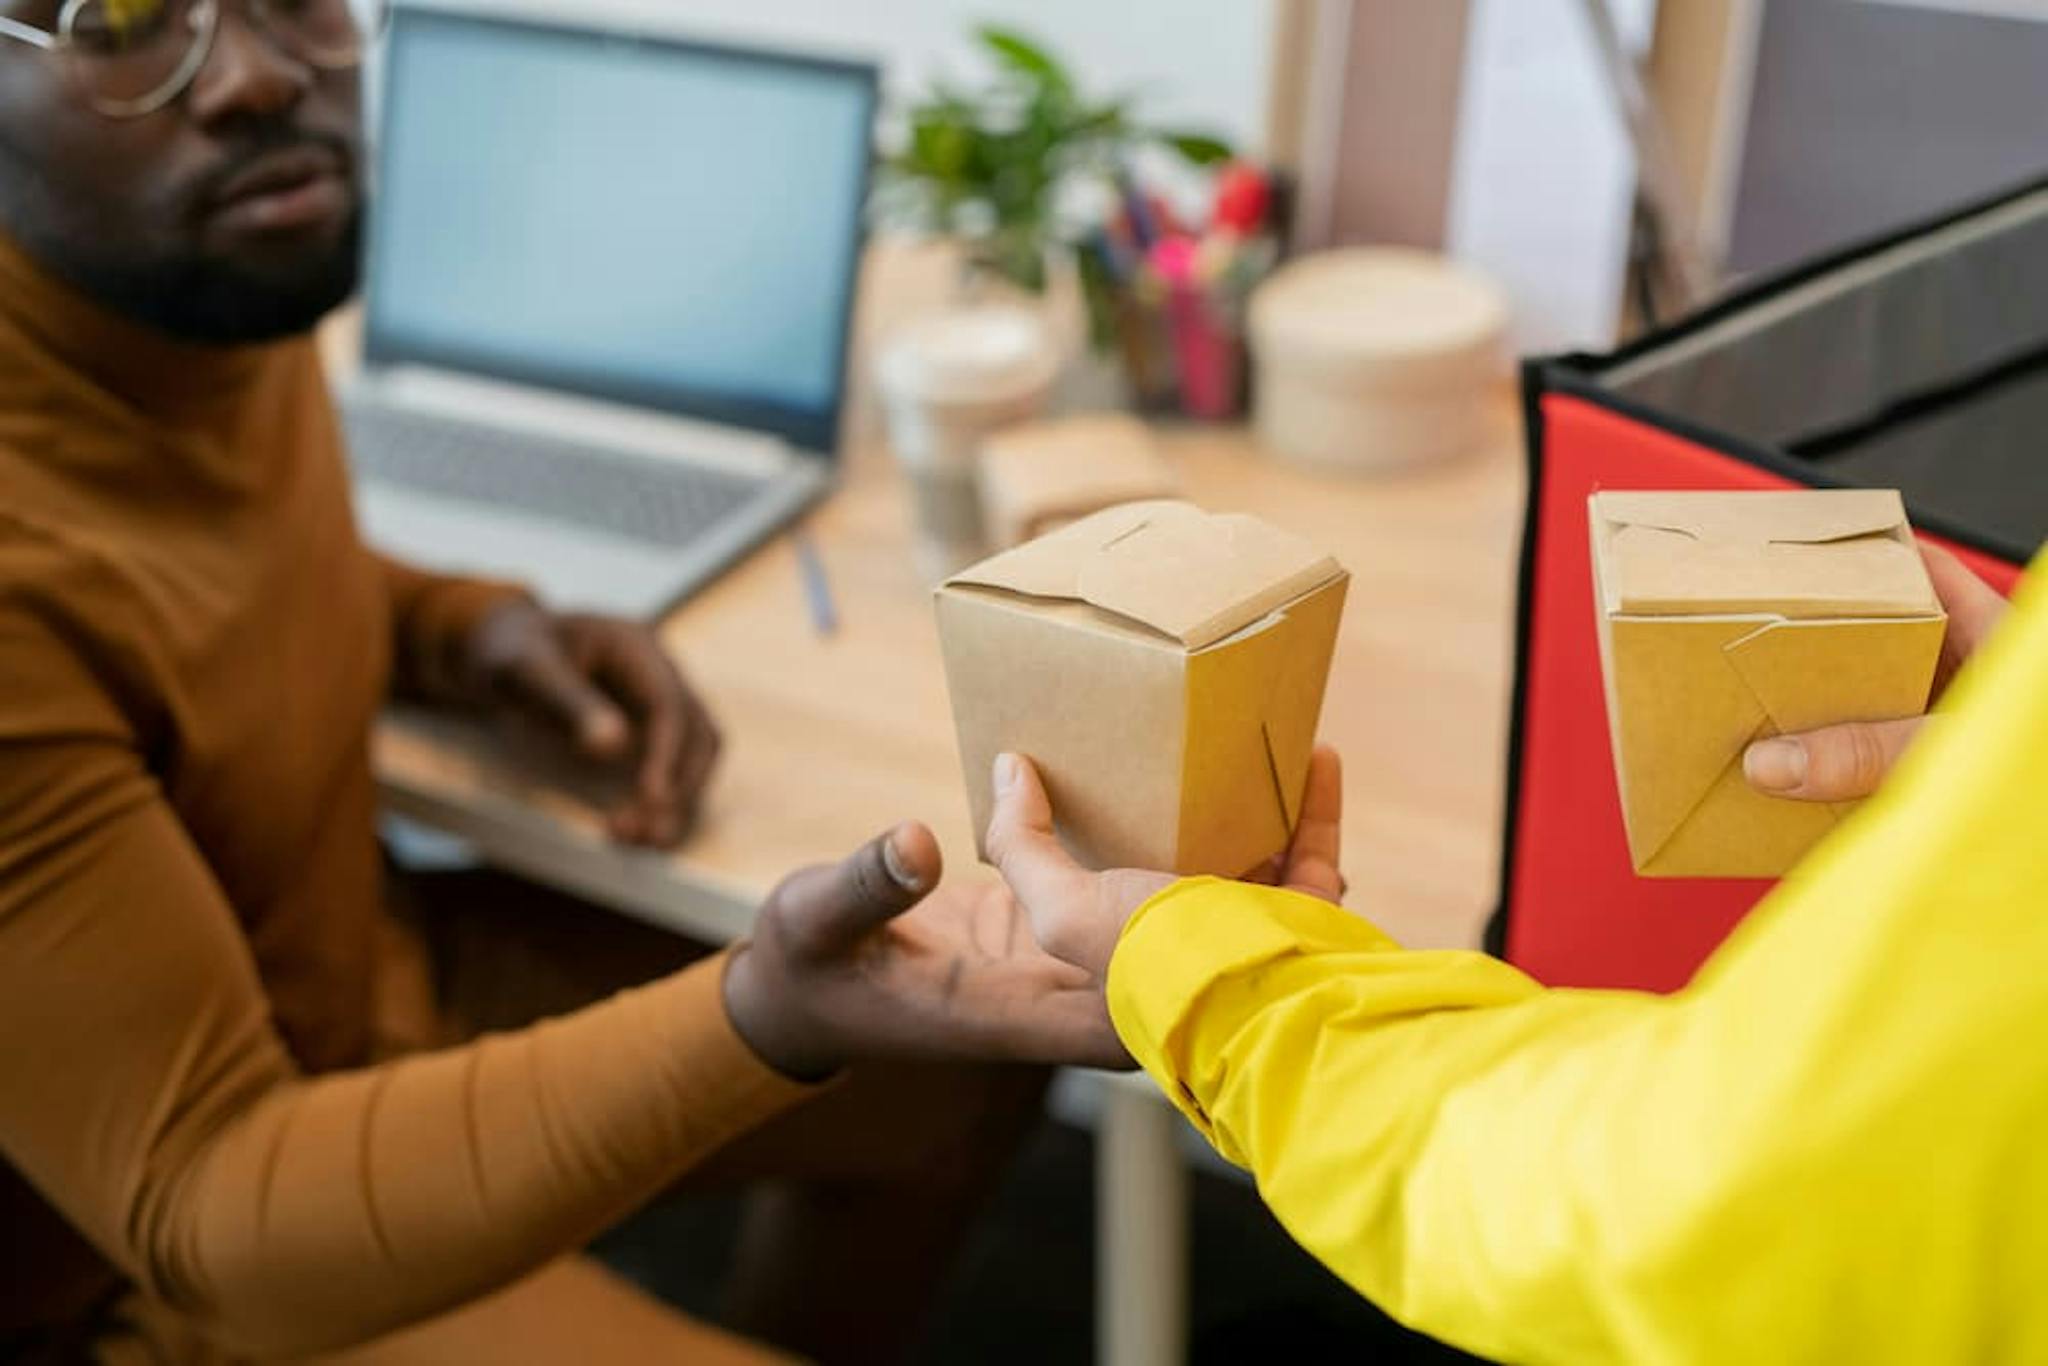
(642, 499)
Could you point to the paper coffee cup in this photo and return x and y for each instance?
(947, 382)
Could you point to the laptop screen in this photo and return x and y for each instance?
(665, 224)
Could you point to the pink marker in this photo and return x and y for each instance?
(1174, 259)
(1204, 353)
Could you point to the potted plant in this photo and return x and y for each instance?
(1000, 169)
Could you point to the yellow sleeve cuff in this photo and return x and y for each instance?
(1194, 935)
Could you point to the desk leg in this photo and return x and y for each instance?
(1141, 1235)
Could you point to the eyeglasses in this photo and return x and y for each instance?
(133, 57)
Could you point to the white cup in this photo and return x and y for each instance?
(947, 382)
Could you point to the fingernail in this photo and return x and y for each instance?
(1775, 765)
(604, 730)
(893, 859)
(1007, 770)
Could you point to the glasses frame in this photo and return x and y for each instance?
(205, 19)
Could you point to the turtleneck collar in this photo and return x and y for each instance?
(157, 375)
(130, 407)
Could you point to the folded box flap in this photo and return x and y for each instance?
(1681, 720)
(1794, 676)
(1806, 674)
(1051, 566)
(1816, 553)
(1187, 574)
(1804, 517)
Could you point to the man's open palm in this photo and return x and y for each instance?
(858, 960)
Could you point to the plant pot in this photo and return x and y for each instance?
(1090, 380)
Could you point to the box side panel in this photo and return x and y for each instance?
(1604, 620)
(1803, 675)
(1679, 716)
(1812, 674)
(1738, 832)
(1693, 693)
(1100, 714)
(1253, 705)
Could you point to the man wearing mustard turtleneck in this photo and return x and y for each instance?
(206, 1149)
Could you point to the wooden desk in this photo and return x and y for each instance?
(831, 740)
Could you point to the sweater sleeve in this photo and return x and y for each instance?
(433, 617)
(145, 1092)
(1835, 1122)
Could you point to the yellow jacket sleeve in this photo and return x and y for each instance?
(1829, 1148)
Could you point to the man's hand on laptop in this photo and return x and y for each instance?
(610, 690)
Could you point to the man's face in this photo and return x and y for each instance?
(234, 214)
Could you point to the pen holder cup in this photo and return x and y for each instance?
(1183, 352)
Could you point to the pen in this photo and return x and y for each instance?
(1144, 227)
(817, 588)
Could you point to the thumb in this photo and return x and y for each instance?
(1833, 764)
(829, 909)
(545, 681)
(1020, 839)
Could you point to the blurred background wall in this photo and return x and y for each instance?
(1203, 63)
(1486, 127)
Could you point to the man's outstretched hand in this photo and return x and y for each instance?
(1846, 762)
(862, 960)
(1079, 915)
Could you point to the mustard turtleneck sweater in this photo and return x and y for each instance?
(193, 645)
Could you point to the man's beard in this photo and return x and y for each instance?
(217, 302)
(144, 259)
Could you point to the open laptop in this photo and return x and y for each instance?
(610, 289)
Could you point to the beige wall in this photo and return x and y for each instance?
(1380, 119)
(1700, 69)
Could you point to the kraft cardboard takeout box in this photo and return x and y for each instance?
(1163, 667)
(1042, 475)
(1732, 617)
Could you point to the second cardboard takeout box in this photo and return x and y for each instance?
(1731, 617)
(1162, 666)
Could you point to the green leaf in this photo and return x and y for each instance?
(1018, 255)
(1106, 120)
(1025, 57)
(941, 148)
(1199, 148)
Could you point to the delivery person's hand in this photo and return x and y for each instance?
(610, 690)
(1079, 915)
(862, 959)
(1843, 763)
